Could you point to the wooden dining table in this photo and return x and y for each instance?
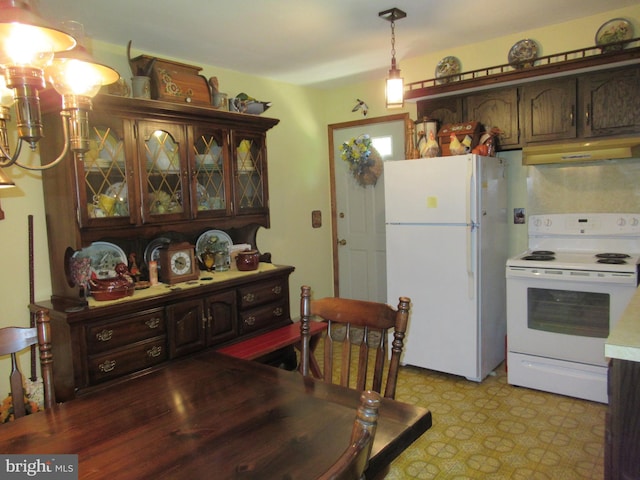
(212, 416)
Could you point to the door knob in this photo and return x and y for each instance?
(342, 242)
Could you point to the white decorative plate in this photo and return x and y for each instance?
(118, 191)
(104, 258)
(204, 238)
(615, 30)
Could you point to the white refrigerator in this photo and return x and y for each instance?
(446, 240)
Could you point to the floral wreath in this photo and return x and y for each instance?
(364, 160)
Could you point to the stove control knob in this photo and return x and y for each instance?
(548, 222)
(635, 222)
(622, 222)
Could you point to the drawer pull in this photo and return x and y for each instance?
(277, 290)
(277, 312)
(154, 351)
(250, 320)
(105, 335)
(152, 323)
(107, 366)
(249, 297)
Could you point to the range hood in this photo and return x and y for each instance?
(582, 151)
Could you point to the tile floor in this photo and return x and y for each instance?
(492, 430)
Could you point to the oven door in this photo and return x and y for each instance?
(562, 314)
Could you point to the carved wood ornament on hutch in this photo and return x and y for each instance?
(154, 169)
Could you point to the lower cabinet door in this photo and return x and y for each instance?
(186, 323)
(221, 317)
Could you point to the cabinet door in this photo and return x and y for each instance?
(186, 324)
(210, 171)
(496, 108)
(549, 110)
(105, 178)
(164, 176)
(444, 110)
(221, 317)
(249, 159)
(611, 102)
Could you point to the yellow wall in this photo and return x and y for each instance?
(298, 162)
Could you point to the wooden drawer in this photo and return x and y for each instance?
(125, 330)
(261, 317)
(120, 362)
(259, 294)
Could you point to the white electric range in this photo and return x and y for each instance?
(564, 294)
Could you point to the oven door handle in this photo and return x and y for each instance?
(470, 228)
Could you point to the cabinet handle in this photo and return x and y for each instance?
(249, 298)
(107, 366)
(277, 290)
(250, 320)
(588, 114)
(277, 312)
(152, 323)
(105, 335)
(154, 351)
(572, 115)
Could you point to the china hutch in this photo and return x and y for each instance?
(155, 169)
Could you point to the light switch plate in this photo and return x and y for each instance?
(316, 219)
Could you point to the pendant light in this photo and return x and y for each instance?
(394, 90)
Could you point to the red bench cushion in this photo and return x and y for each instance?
(268, 342)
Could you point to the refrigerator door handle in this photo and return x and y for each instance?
(470, 283)
(470, 227)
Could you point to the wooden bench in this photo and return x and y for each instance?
(272, 341)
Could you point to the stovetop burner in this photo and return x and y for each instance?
(543, 252)
(612, 260)
(539, 257)
(612, 255)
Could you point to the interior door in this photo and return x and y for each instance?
(358, 212)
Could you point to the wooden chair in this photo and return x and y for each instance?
(15, 339)
(353, 461)
(374, 320)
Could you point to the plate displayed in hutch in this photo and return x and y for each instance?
(523, 54)
(613, 31)
(447, 69)
(104, 258)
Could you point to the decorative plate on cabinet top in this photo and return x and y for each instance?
(523, 54)
(615, 30)
(104, 258)
(447, 68)
(213, 236)
(152, 251)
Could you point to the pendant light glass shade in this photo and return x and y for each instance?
(394, 90)
(26, 38)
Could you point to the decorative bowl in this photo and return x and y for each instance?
(247, 260)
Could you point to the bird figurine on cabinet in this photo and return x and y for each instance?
(430, 148)
(243, 103)
(456, 147)
(363, 107)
